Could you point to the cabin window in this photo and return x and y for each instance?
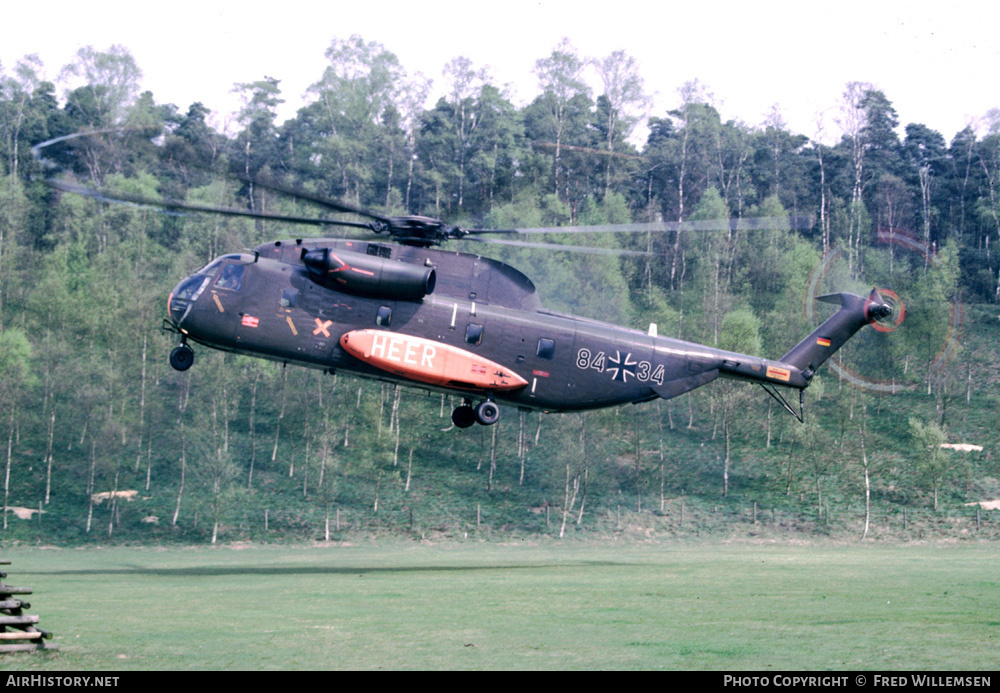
(384, 316)
(231, 277)
(289, 298)
(546, 348)
(474, 334)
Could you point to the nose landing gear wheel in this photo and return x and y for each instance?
(181, 358)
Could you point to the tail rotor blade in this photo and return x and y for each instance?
(884, 310)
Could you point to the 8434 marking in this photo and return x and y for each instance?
(619, 366)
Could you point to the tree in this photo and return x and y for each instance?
(560, 77)
(854, 120)
(620, 106)
(105, 100)
(713, 246)
(256, 144)
(931, 462)
(191, 149)
(110, 85)
(929, 319)
(740, 333)
(693, 151)
(355, 111)
(18, 111)
(14, 212)
(15, 376)
(924, 152)
(862, 434)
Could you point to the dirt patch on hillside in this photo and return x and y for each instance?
(23, 513)
(127, 495)
(987, 505)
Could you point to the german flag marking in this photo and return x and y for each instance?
(776, 373)
(823, 341)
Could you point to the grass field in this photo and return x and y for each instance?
(542, 605)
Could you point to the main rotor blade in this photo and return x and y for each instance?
(745, 223)
(264, 181)
(271, 184)
(36, 150)
(588, 250)
(205, 209)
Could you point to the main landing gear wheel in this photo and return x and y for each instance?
(487, 413)
(182, 358)
(463, 416)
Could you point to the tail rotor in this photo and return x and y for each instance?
(884, 310)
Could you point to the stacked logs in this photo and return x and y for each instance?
(18, 630)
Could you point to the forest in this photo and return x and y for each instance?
(103, 441)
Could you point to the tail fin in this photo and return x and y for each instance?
(855, 312)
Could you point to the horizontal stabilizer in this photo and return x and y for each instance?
(674, 388)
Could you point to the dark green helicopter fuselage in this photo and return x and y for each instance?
(293, 302)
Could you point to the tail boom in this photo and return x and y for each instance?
(823, 342)
(797, 368)
(793, 370)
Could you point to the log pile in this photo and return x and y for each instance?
(19, 631)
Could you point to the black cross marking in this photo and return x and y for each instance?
(622, 367)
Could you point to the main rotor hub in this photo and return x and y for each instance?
(417, 230)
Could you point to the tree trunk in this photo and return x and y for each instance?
(149, 459)
(253, 426)
(521, 445)
(182, 399)
(48, 447)
(568, 500)
(281, 414)
(819, 499)
(493, 455)
(90, 484)
(725, 464)
(6, 477)
(142, 406)
(409, 470)
(659, 421)
(113, 503)
(868, 493)
(180, 490)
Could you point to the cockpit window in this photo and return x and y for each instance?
(191, 288)
(230, 278)
(186, 293)
(211, 267)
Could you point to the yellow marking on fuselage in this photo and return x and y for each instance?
(218, 303)
(292, 325)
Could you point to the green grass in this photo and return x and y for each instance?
(541, 605)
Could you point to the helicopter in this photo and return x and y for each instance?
(409, 313)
